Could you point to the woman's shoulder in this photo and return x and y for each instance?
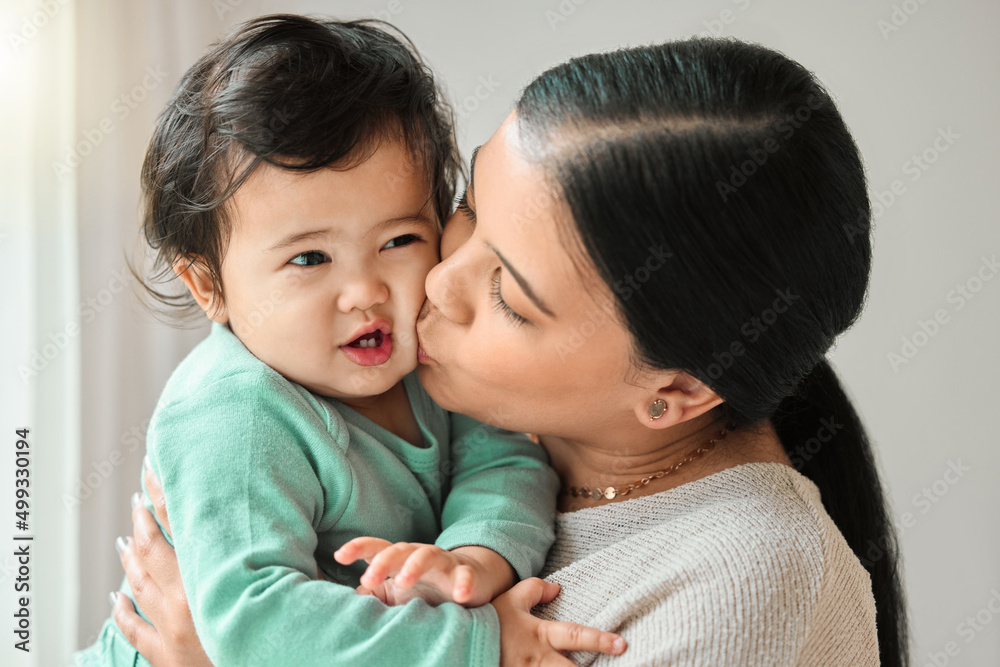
(748, 552)
(756, 521)
(767, 505)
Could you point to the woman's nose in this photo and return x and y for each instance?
(362, 291)
(448, 292)
(456, 232)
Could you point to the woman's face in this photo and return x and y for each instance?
(518, 334)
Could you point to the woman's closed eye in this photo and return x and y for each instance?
(310, 258)
(462, 204)
(501, 305)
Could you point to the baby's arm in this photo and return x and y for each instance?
(497, 523)
(244, 503)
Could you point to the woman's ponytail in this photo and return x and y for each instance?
(827, 442)
(649, 149)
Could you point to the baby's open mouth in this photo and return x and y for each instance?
(370, 349)
(373, 339)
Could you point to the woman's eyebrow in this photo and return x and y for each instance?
(472, 168)
(525, 287)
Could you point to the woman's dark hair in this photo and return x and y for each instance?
(733, 159)
(297, 93)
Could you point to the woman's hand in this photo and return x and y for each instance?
(527, 640)
(151, 569)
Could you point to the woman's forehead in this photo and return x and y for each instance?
(528, 221)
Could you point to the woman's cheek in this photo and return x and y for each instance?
(501, 353)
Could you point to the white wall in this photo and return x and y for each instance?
(899, 87)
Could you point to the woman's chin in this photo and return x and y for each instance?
(430, 378)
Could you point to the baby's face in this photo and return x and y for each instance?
(324, 273)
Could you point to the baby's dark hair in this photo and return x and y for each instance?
(294, 92)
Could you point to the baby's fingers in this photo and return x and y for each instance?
(424, 559)
(462, 582)
(387, 562)
(563, 636)
(360, 548)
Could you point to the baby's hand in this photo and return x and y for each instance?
(471, 576)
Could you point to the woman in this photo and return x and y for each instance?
(655, 252)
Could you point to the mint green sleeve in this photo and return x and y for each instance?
(502, 495)
(244, 500)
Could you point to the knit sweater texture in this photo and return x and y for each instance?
(743, 567)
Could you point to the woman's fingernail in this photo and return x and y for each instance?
(618, 645)
(113, 597)
(136, 499)
(145, 463)
(121, 544)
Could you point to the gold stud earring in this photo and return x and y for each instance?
(657, 409)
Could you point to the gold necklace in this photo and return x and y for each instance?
(610, 493)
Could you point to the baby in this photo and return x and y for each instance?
(296, 183)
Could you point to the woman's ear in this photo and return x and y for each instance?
(193, 271)
(680, 398)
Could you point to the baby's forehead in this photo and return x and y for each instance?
(339, 200)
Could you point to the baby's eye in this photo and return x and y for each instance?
(400, 241)
(311, 258)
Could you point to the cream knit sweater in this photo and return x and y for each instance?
(743, 567)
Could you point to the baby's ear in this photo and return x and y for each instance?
(195, 274)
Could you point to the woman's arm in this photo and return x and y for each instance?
(151, 568)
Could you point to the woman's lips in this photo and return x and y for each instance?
(422, 356)
(423, 321)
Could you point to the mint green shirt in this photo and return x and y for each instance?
(264, 480)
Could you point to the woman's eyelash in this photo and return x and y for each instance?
(462, 204)
(502, 305)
